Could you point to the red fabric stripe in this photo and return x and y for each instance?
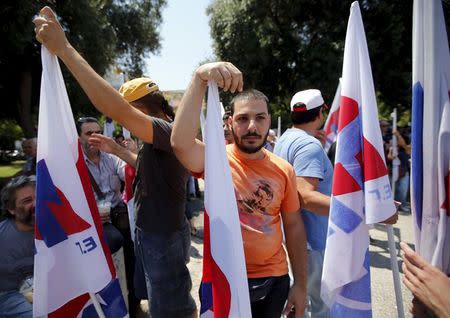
(87, 188)
(343, 182)
(446, 204)
(334, 119)
(212, 273)
(130, 174)
(348, 112)
(70, 309)
(374, 166)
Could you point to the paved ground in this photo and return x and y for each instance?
(383, 296)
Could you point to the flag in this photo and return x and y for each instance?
(431, 133)
(361, 193)
(72, 264)
(331, 124)
(108, 128)
(202, 123)
(126, 133)
(224, 288)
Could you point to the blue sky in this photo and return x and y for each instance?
(186, 42)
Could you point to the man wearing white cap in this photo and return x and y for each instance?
(314, 174)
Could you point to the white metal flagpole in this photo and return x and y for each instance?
(97, 306)
(279, 127)
(389, 228)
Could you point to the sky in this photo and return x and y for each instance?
(185, 42)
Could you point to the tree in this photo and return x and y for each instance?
(105, 32)
(285, 46)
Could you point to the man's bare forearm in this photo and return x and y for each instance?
(316, 202)
(102, 95)
(187, 119)
(126, 155)
(296, 247)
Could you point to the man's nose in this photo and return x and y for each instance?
(252, 125)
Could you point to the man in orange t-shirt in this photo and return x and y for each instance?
(265, 190)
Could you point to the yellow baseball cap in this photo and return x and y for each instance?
(137, 88)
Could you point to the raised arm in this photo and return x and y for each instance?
(102, 95)
(108, 145)
(187, 148)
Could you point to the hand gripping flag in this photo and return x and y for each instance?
(224, 289)
(431, 133)
(332, 122)
(73, 269)
(361, 193)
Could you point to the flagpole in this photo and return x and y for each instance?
(279, 127)
(390, 230)
(97, 306)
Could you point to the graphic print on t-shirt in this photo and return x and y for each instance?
(253, 206)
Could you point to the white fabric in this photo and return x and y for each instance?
(220, 204)
(373, 202)
(332, 120)
(62, 272)
(431, 69)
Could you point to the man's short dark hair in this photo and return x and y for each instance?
(84, 120)
(156, 101)
(249, 94)
(304, 117)
(8, 194)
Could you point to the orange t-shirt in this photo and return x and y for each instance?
(263, 189)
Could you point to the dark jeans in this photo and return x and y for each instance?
(268, 296)
(168, 281)
(119, 217)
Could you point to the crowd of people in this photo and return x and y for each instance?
(282, 188)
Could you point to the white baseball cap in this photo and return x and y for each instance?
(306, 100)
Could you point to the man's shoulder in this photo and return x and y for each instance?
(279, 162)
(6, 226)
(159, 123)
(300, 138)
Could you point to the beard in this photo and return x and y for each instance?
(250, 149)
(25, 216)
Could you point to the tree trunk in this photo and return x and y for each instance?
(24, 105)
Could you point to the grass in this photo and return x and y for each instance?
(7, 171)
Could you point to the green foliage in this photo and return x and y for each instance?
(286, 46)
(10, 131)
(105, 32)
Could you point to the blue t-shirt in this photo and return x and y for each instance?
(306, 154)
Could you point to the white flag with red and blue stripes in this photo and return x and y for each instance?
(332, 122)
(361, 193)
(72, 264)
(430, 189)
(224, 288)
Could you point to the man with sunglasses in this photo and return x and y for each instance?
(106, 172)
(314, 172)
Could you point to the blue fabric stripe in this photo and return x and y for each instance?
(339, 310)
(345, 218)
(359, 290)
(51, 231)
(417, 150)
(206, 299)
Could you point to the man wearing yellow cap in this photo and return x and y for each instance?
(162, 235)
